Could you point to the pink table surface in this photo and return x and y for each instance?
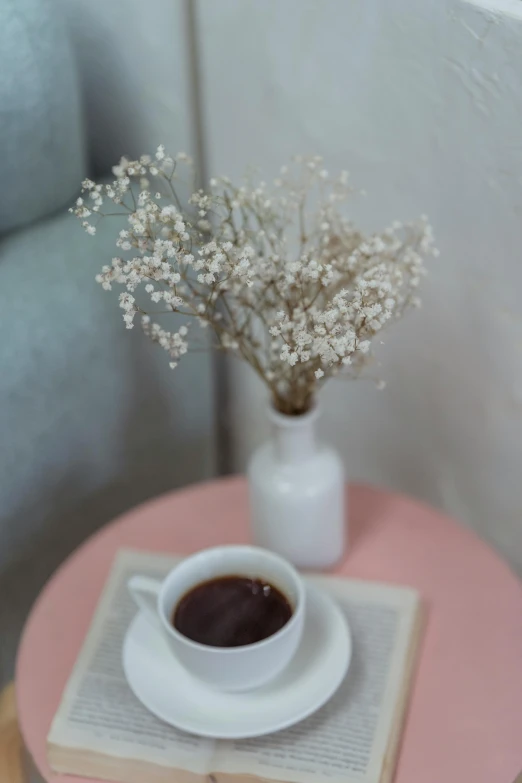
(465, 719)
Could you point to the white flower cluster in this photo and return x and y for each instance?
(295, 291)
(172, 342)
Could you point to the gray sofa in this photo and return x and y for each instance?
(92, 420)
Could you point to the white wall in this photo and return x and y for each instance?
(422, 102)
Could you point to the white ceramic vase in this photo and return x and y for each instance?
(297, 494)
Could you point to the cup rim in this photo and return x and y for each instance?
(240, 649)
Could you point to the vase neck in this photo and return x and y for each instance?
(294, 436)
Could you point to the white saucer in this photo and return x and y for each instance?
(167, 690)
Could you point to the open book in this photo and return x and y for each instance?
(102, 731)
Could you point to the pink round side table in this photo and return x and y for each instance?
(465, 719)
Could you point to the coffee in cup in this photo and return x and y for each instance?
(231, 611)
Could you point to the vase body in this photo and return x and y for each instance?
(297, 496)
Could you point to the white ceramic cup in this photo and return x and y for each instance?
(226, 668)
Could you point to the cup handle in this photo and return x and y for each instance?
(145, 593)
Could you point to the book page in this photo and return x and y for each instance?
(347, 741)
(99, 712)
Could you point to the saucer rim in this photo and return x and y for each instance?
(313, 592)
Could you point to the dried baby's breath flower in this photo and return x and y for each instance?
(282, 276)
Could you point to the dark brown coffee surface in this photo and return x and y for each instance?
(231, 611)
